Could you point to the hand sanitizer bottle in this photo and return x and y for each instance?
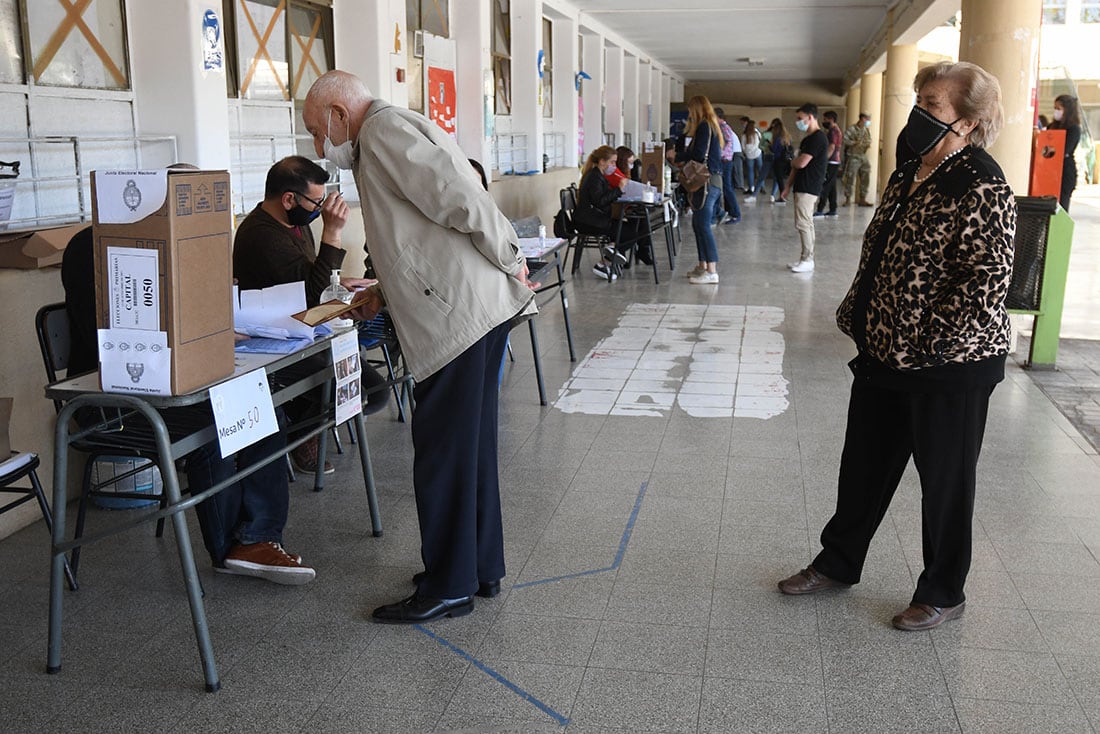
(337, 292)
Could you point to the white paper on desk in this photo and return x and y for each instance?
(135, 361)
(267, 312)
(633, 190)
(243, 411)
(348, 369)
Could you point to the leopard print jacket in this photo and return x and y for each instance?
(939, 295)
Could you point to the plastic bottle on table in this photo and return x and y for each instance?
(337, 292)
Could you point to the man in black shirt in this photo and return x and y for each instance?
(807, 177)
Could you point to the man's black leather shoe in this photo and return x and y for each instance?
(416, 609)
(485, 589)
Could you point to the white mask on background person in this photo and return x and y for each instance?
(866, 123)
(342, 155)
(802, 125)
(1058, 115)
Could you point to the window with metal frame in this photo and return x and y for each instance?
(546, 80)
(1090, 11)
(74, 43)
(11, 63)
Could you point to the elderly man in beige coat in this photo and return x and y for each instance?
(450, 270)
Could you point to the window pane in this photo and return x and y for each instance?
(434, 17)
(502, 29)
(309, 45)
(1054, 11)
(547, 68)
(74, 48)
(11, 43)
(1090, 12)
(261, 49)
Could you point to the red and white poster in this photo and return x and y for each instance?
(441, 98)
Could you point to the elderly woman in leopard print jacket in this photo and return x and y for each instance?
(927, 314)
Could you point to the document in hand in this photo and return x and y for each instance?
(330, 310)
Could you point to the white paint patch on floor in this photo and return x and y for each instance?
(710, 361)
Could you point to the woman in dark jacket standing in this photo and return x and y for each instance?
(594, 200)
(927, 314)
(1067, 116)
(706, 145)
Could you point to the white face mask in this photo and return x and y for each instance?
(342, 155)
(1058, 115)
(802, 125)
(866, 123)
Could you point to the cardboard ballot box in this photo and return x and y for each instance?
(163, 272)
(653, 165)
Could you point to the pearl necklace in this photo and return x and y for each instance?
(952, 154)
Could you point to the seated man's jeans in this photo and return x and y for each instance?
(252, 510)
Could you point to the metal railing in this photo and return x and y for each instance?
(59, 188)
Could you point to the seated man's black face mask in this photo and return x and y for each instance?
(299, 216)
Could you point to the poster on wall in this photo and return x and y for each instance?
(212, 57)
(441, 98)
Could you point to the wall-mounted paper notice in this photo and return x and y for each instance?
(123, 197)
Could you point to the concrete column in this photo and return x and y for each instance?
(870, 99)
(853, 107)
(897, 102)
(473, 78)
(565, 93)
(1002, 37)
(363, 33)
(592, 91)
(631, 94)
(172, 92)
(526, 112)
(613, 94)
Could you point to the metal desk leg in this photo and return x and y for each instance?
(322, 437)
(57, 536)
(652, 254)
(368, 476)
(565, 308)
(537, 359)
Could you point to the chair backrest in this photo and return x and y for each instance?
(527, 227)
(52, 326)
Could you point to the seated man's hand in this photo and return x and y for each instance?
(371, 304)
(334, 215)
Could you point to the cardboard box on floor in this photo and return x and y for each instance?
(653, 165)
(185, 217)
(38, 248)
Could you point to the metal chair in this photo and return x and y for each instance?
(18, 466)
(580, 240)
(379, 333)
(52, 327)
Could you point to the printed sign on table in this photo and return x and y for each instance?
(348, 369)
(243, 411)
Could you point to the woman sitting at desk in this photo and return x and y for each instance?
(594, 200)
(629, 167)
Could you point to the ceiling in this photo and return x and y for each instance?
(816, 41)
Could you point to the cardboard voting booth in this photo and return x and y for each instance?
(653, 165)
(163, 270)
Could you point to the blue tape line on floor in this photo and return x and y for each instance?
(618, 556)
(563, 720)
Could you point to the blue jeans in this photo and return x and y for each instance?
(753, 166)
(253, 510)
(700, 225)
(729, 195)
(766, 168)
(739, 169)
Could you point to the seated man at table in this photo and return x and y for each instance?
(242, 526)
(274, 245)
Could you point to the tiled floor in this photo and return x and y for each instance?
(643, 547)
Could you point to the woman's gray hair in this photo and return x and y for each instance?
(977, 97)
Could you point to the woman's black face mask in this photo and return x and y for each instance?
(924, 131)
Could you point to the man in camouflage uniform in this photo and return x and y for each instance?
(857, 139)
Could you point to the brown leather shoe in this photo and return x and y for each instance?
(865, 203)
(925, 617)
(809, 581)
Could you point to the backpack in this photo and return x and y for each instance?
(563, 228)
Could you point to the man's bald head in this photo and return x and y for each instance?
(337, 100)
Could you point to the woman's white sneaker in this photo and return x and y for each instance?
(704, 278)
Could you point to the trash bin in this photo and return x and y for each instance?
(1044, 234)
(8, 173)
(146, 481)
